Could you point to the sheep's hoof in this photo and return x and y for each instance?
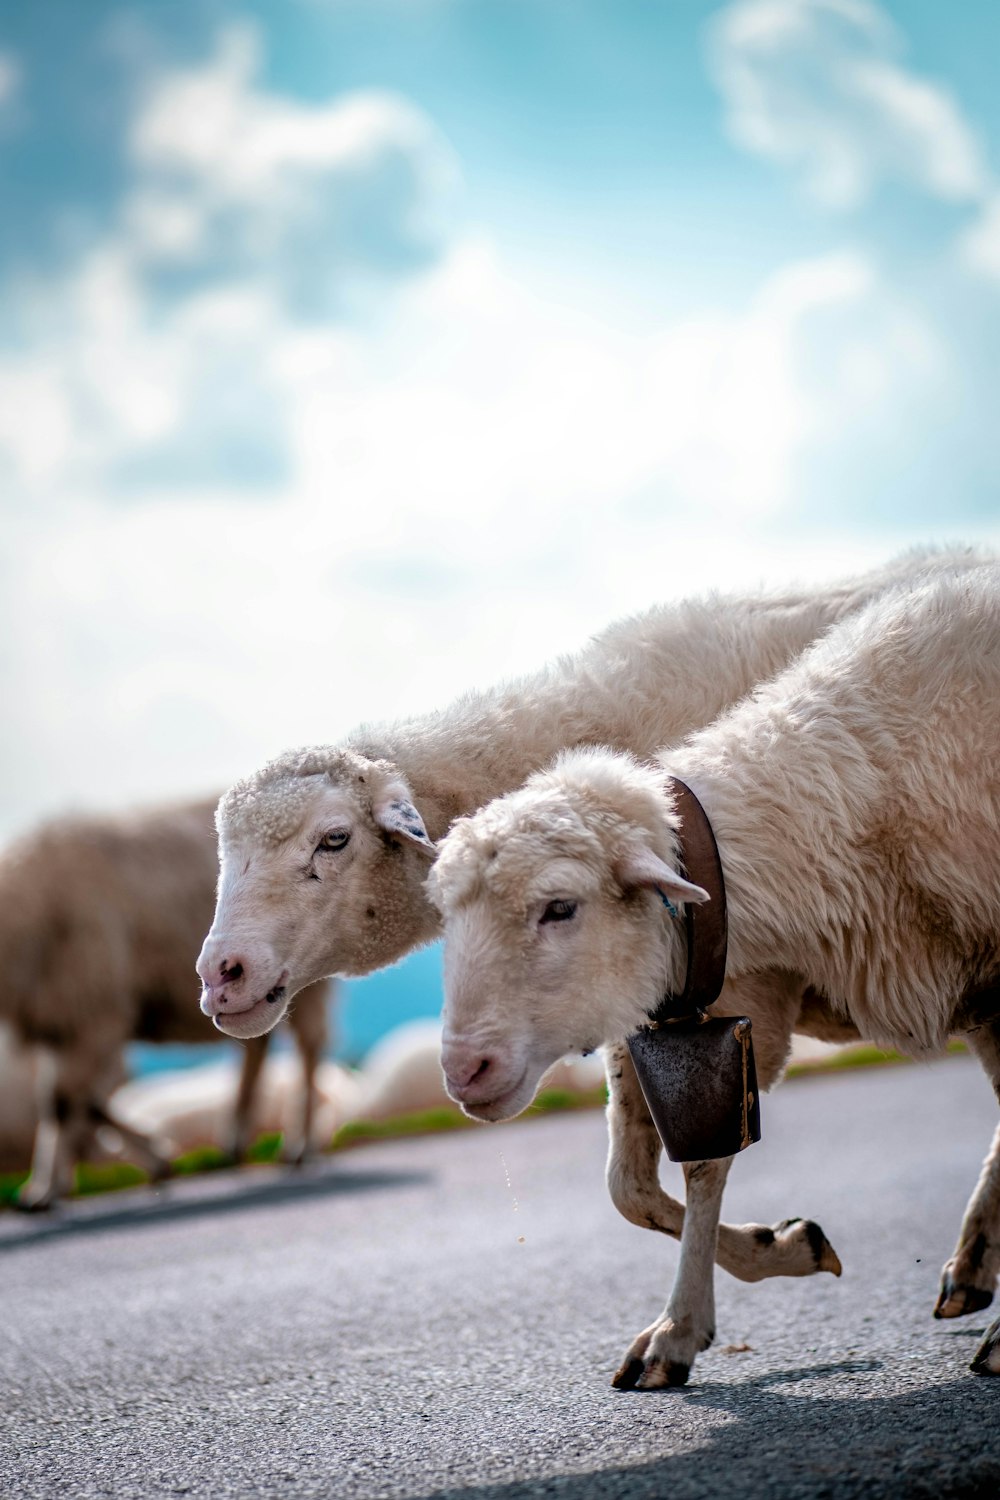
(987, 1359)
(661, 1357)
(956, 1298)
(627, 1375)
(818, 1254)
(296, 1154)
(33, 1201)
(637, 1375)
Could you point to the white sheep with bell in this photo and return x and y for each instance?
(324, 851)
(855, 800)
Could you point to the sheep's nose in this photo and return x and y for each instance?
(218, 965)
(221, 982)
(464, 1067)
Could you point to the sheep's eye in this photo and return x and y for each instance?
(331, 842)
(558, 911)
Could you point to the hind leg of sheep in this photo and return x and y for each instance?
(139, 1146)
(63, 1124)
(969, 1277)
(51, 1175)
(53, 1156)
(308, 1022)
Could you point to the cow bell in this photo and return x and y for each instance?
(699, 1080)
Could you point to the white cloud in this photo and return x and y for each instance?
(473, 481)
(497, 399)
(230, 171)
(102, 381)
(470, 492)
(816, 84)
(262, 210)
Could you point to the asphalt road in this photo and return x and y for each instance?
(442, 1317)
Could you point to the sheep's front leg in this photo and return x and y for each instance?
(663, 1354)
(750, 1252)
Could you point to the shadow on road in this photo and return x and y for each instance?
(942, 1443)
(191, 1200)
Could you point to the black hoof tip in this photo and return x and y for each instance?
(628, 1376)
(959, 1301)
(677, 1374)
(31, 1206)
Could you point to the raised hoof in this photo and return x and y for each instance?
(957, 1301)
(987, 1357)
(824, 1256)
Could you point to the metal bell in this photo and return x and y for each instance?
(700, 1083)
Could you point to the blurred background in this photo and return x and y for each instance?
(357, 352)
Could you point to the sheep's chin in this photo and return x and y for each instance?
(259, 1019)
(506, 1105)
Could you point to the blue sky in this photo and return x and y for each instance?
(352, 354)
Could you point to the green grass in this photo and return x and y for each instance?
(862, 1056)
(91, 1177)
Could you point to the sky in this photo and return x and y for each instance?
(355, 354)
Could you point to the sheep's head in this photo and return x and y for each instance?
(556, 937)
(323, 858)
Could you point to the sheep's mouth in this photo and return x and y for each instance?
(260, 1017)
(502, 1106)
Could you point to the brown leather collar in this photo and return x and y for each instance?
(707, 926)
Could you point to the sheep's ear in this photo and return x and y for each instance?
(394, 812)
(640, 869)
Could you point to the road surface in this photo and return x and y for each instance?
(442, 1317)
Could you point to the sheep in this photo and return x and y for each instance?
(324, 851)
(101, 921)
(855, 800)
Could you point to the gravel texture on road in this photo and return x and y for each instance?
(441, 1317)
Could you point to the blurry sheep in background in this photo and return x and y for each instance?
(101, 919)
